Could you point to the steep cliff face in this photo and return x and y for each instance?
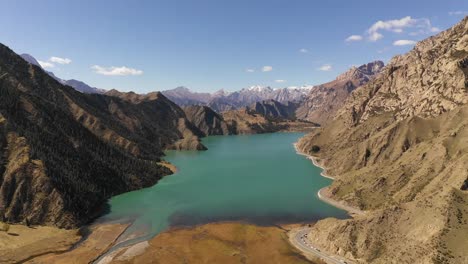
(244, 121)
(398, 149)
(275, 110)
(63, 153)
(429, 80)
(325, 100)
(206, 120)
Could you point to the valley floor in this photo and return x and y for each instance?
(229, 242)
(21, 243)
(42, 244)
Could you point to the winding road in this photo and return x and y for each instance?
(300, 241)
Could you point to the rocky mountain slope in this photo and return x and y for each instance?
(271, 116)
(275, 110)
(245, 121)
(64, 153)
(207, 121)
(77, 85)
(155, 113)
(398, 149)
(324, 100)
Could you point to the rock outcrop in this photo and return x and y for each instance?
(398, 149)
(244, 121)
(275, 110)
(325, 100)
(206, 120)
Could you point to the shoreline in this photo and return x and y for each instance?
(168, 165)
(141, 246)
(108, 252)
(314, 160)
(322, 193)
(325, 197)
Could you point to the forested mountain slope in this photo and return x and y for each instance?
(63, 153)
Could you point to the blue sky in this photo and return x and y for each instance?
(207, 45)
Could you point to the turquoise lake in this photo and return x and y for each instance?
(253, 178)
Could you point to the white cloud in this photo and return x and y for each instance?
(46, 64)
(392, 25)
(116, 71)
(325, 67)
(353, 38)
(267, 69)
(250, 70)
(422, 26)
(304, 51)
(60, 60)
(50, 63)
(458, 13)
(280, 81)
(404, 42)
(374, 36)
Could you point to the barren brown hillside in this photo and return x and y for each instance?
(399, 148)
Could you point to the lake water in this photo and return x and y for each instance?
(254, 178)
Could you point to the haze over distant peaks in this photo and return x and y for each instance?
(77, 85)
(30, 59)
(223, 101)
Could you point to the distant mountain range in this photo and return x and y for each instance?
(223, 101)
(315, 104)
(275, 110)
(311, 103)
(219, 101)
(77, 85)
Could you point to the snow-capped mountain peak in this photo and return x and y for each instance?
(301, 88)
(258, 88)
